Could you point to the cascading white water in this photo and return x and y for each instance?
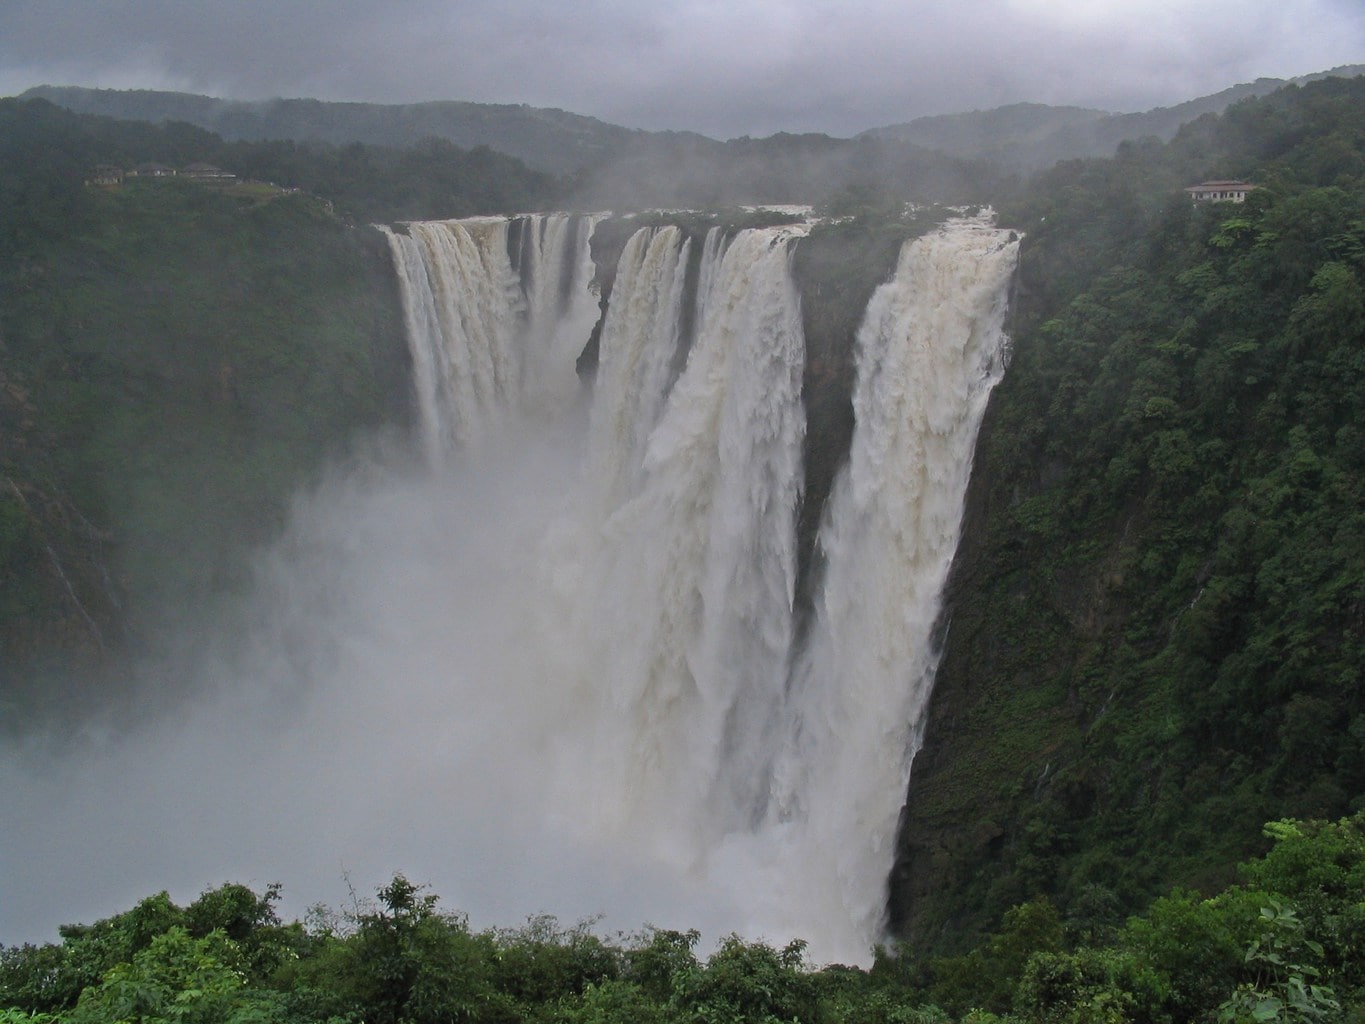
(561, 308)
(690, 571)
(482, 346)
(673, 722)
(930, 350)
(552, 670)
(639, 338)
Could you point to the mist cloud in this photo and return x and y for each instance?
(375, 708)
(747, 67)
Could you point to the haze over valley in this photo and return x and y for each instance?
(834, 483)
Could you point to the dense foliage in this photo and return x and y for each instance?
(45, 150)
(1282, 946)
(1158, 613)
(175, 359)
(546, 139)
(1034, 135)
(428, 180)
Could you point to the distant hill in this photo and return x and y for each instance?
(623, 167)
(1031, 136)
(683, 167)
(990, 133)
(545, 139)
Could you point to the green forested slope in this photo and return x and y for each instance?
(1282, 946)
(553, 140)
(1036, 136)
(1154, 630)
(177, 358)
(47, 151)
(174, 360)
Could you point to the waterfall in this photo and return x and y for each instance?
(489, 339)
(639, 338)
(930, 349)
(671, 720)
(694, 562)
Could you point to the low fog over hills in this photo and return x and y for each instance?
(1023, 135)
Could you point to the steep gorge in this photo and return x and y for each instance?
(698, 725)
(1152, 634)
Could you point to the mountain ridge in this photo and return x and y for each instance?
(1024, 136)
(547, 138)
(1032, 136)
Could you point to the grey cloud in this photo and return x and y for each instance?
(745, 66)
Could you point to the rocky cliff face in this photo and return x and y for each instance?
(961, 808)
(174, 363)
(60, 593)
(1153, 630)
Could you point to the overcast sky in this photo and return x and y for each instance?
(721, 67)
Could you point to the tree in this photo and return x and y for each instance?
(407, 962)
(176, 978)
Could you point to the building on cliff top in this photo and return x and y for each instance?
(1220, 191)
